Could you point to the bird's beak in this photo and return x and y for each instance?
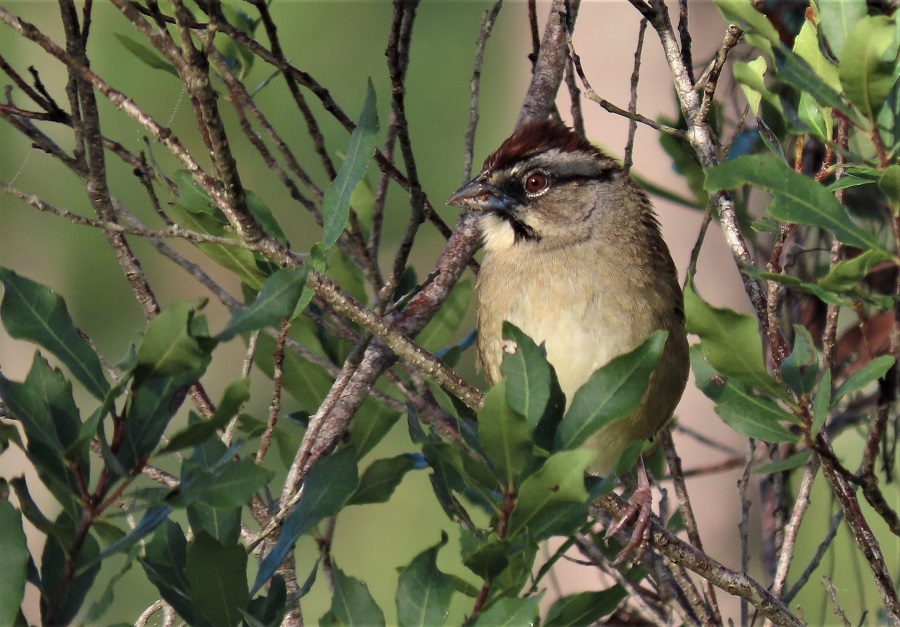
(480, 196)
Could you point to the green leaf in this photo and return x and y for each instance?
(752, 77)
(821, 404)
(867, 66)
(504, 435)
(236, 394)
(424, 592)
(378, 482)
(837, 19)
(54, 571)
(527, 376)
(370, 425)
(336, 203)
(797, 73)
(745, 15)
(584, 608)
(889, 183)
(558, 486)
(806, 46)
(264, 216)
(844, 277)
(37, 314)
(276, 301)
(151, 519)
(751, 415)
(14, 556)
(685, 163)
(164, 563)
(869, 373)
(796, 198)
(783, 465)
(800, 369)
(146, 55)
(485, 554)
(510, 613)
(352, 604)
(440, 329)
(612, 392)
(217, 579)
(230, 485)
(171, 347)
(269, 610)
(329, 484)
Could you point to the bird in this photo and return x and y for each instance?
(575, 258)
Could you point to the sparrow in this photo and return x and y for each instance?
(575, 258)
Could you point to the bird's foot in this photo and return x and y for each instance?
(639, 512)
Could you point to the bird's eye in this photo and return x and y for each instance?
(536, 182)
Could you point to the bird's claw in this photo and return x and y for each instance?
(638, 511)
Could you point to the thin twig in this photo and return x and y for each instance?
(487, 25)
(632, 103)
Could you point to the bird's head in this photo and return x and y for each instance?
(544, 186)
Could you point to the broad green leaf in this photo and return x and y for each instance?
(837, 19)
(217, 579)
(264, 216)
(745, 15)
(783, 465)
(269, 610)
(440, 329)
(846, 275)
(889, 183)
(821, 404)
(557, 485)
(868, 63)
(336, 203)
(869, 373)
(527, 376)
(231, 485)
(806, 46)
(164, 563)
(584, 608)
(485, 554)
(235, 395)
(329, 484)
(512, 612)
(352, 603)
(370, 424)
(796, 198)
(276, 301)
(751, 76)
(14, 556)
(53, 572)
(423, 591)
(380, 479)
(146, 55)
(819, 119)
(171, 346)
(747, 413)
(797, 73)
(504, 435)
(800, 369)
(37, 314)
(612, 392)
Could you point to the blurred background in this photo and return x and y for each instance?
(341, 44)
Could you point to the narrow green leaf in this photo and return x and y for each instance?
(783, 465)
(821, 404)
(146, 55)
(423, 591)
(846, 275)
(612, 392)
(869, 373)
(235, 395)
(837, 19)
(559, 483)
(37, 314)
(796, 198)
(217, 579)
(53, 572)
(276, 301)
(512, 612)
(370, 425)
(752, 77)
(231, 485)
(380, 479)
(584, 608)
(329, 484)
(336, 203)
(889, 183)
(14, 556)
(806, 46)
(352, 603)
(797, 73)
(745, 15)
(504, 435)
(440, 329)
(867, 66)
(801, 368)
(751, 415)
(264, 216)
